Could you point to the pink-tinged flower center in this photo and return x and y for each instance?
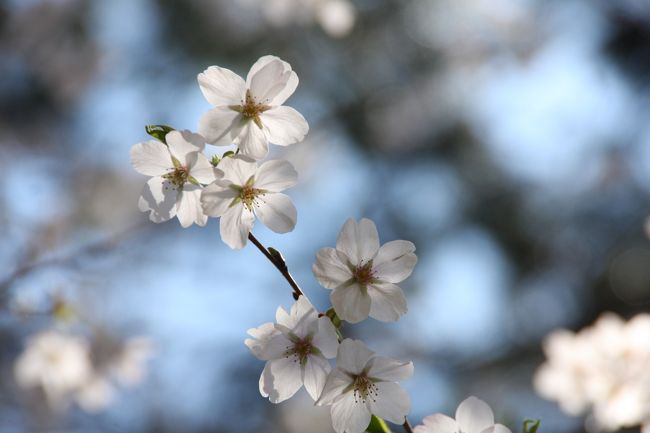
(364, 389)
(178, 177)
(251, 109)
(300, 350)
(362, 274)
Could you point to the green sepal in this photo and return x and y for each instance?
(378, 425)
(336, 321)
(215, 160)
(531, 425)
(158, 131)
(193, 181)
(176, 162)
(228, 154)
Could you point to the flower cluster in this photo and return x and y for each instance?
(248, 114)
(67, 367)
(603, 367)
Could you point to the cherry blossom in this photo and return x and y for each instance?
(250, 113)
(604, 368)
(178, 171)
(364, 384)
(472, 416)
(297, 348)
(246, 191)
(362, 274)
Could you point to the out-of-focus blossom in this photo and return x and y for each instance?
(68, 367)
(245, 191)
(250, 113)
(363, 275)
(336, 17)
(178, 169)
(297, 348)
(472, 416)
(57, 363)
(364, 384)
(603, 367)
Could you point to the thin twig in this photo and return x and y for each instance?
(407, 426)
(279, 263)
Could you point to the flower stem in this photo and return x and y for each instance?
(277, 261)
(407, 426)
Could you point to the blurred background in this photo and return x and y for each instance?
(508, 139)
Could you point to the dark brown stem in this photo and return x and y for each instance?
(407, 426)
(277, 261)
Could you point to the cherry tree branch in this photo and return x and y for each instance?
(407, 426)
(276, 259)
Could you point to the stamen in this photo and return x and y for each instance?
(363, 274)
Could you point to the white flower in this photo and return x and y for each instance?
(245, 191)
(178, 171)
(603, 367)
(364, 384)
(472, 416)
(58, 363)
(362, 275)
(297, 348)
(250, 114)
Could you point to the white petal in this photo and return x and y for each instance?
(326, 339)
(269, 83)
(261, 337)
(159, 198)
(200, 168)
(329, 270)
(391, 402)
(281, 379)
(290, 86)
(351, 303)
(283, 318)
(252, 141)
(216, 199)
(276, 176)
(360, 242)
(183, 143)
(237, 169)
(337, 381)
(500, 428)
(438, 423)
(151, 158)
(395, 261)
(301, 308)
(221, 86)
(474, 415)
(387, 302)
(277, 212)
(188, 208)
(284, 125)
(353, 356)
(349, 415)
(315, 374)
(234, 226)
(217, 125)
(390, 370)
(276, 347)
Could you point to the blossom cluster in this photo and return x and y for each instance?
(66, 367)
(604, 368)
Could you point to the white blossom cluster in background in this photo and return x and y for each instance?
(604, 369)
(472, 416)
(336, 17)
(66, 366)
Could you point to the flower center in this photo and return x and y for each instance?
(248, 195)
(178, 177)
(251, 109)
(364, 389)
(362, 274)
(301, 349)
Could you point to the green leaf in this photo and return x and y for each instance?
(531, 425)
(377, 425)
(158, 131)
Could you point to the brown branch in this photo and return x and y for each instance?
(276, 259)
(407, 426)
